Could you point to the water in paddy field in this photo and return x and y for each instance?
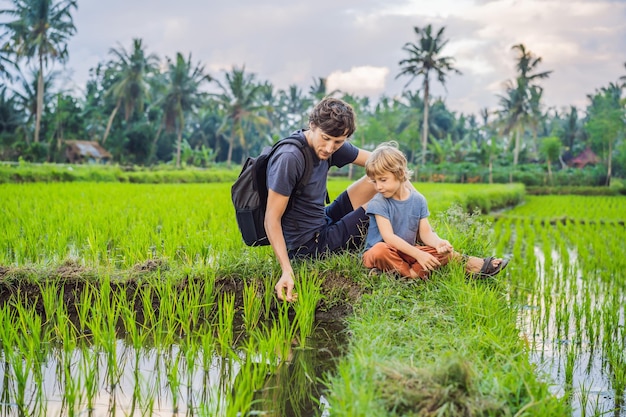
(171, 382)
(563, 323)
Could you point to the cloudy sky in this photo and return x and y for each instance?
(357, 44)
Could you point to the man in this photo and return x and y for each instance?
(309, 229)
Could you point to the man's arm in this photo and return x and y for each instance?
(361, 157)
(276, 206)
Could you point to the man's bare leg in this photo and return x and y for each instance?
(360, 192)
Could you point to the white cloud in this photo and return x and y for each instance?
(366, 80)
(357, 44)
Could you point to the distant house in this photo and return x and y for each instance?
(585, 157)
(83, 151)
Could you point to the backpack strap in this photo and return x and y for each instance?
(303, 145)
(308, 164)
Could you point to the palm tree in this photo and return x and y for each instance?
(319, 89)
(606, 122)
(182, 95)
(550, 148)
(571, 131)
(27, 96)
(424, 57)
(130, 87)
(5, 60)
(296, 107)
(11, 118)
(240, 99)
(536, 116)
(521, 96)
(40, 31)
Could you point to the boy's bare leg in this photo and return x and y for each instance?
(474, 264)
(360, 192)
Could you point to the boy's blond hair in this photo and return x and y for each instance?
(388, 158)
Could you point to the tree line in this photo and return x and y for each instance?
(148, 110)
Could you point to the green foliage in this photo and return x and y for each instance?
(25, 172)
(550, 148)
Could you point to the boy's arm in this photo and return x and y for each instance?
(428, 236)
(276, 206)
(425, 259)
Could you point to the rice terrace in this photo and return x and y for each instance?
(141, 299)
(126, 288)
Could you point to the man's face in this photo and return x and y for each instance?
(323, 144)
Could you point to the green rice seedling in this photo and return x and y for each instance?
(72, 387)
(182, 312)
(19, 363)
(570, 363)
(207, 291)
(225, 320)
(168, 325)
(89, 370)
(196, 303)
(84, 308)
(249, 380)
(191, 350)
(309, 295)
(583, 399)
(207, 345)
(617, 364)
(268, 296)
(107, 310)
(252, 306)
(137, 336)
(50, 295)
(149, 316)
(286, 329)
(172, 365)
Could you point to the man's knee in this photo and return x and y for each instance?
(360, 192)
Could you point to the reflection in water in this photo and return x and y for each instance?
(170, 382)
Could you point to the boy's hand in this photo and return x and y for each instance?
(428, 261)
(444, 246)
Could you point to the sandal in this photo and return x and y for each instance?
(488, 269)
(374, 272)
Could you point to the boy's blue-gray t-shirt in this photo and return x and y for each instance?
(404, 215)
(307, 215)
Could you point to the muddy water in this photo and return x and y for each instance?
(204, 385)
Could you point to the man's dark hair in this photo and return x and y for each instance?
(334, 117)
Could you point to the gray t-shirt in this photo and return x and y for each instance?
(307, 215)
(404, 216)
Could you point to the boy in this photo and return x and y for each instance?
(399, 216)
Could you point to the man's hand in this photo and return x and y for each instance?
(284, 287)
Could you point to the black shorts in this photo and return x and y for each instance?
(345, 230)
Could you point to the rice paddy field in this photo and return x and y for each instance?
(569, 286)
(141, 299)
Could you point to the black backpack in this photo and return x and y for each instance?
(249, 192)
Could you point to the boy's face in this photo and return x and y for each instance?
(387, 184)
(323, 144)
